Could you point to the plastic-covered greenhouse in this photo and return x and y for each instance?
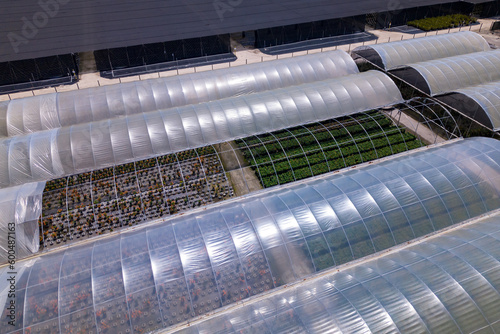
(449, 74)
(392, 55)
(194, 264)
(56, 110)
(446, 284)
(481, 102)
(20, 207)
(53, 153)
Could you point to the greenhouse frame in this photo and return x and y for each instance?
(166, 274)
(389, 56)
(446, 284)
(69, 150)
(55, 110)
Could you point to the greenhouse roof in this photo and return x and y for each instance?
(69, 150)
(447, 284)
(165, 274)
(449, 74)
(488, 97)
(401, 53)
(49, 111)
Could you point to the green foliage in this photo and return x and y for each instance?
(442, 22)
(294, 154)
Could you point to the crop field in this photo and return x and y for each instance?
(293, 154)
(104, 200)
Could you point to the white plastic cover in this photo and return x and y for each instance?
(78, 148)
(162, 275)
(55, 110)
(20, 208)
(415, 50)
(444, 285)
(449, 74)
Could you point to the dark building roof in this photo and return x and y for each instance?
(29, 31)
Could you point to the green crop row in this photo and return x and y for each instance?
(318, 162)
(442, 22)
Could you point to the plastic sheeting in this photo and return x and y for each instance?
(448, 284)
(449, 74)
(20, 209)
(400, 53)
(69, 150)
(56, 110)
(162, 275)
(488, 97)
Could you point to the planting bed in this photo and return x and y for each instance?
(293, 154)
(101, 201)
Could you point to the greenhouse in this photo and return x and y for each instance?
(446, 284)
(401, 53)
(69, 150)
(49, 111)
(449, 74)
(481, 102)
(20, 207)
(165, 274)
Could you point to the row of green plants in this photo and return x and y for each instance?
(442, 22)
(272, 150)
(317, 151)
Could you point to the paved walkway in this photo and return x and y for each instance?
(249, 55)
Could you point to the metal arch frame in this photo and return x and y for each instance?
(319, 145)
(222, 165)
(276, 140)
(352, 139)
(271, 161)
(381, 129)
(303, 152)
(426, 103)
(236, 158)
(255, 160)
(204, 173)
(336, 143)
(367, 136)
(163, 188)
